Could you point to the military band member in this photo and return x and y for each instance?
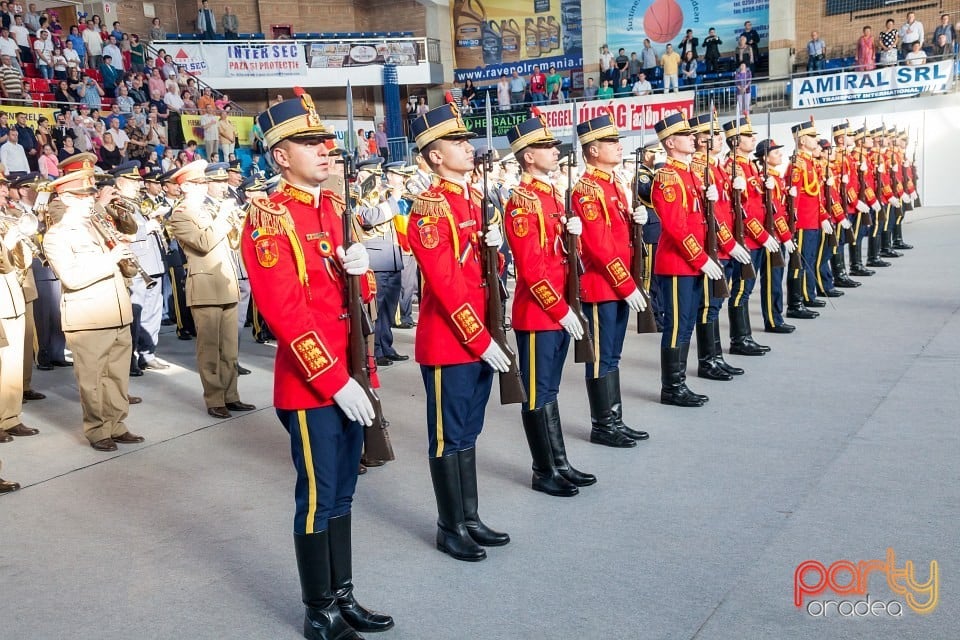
(812, 218)
(95, 307)
(747, 182)
(769, 157)
(710, 362)
(410, 278)
(176, 263)
(845, 171)
(681, 259)
(651, 229)
(234, 193)
(456, 353)
(607, 289)
(544, 322)
(292, 244)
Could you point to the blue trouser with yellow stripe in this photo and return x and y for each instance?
(771, 287)
(808, 242)
(326, 447)
(824, 269)
(710, 306)
(541, 355)
(681, 297)
(740, 289)
(457, 397)
(607, 322)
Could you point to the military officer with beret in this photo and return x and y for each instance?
(608, 291)
(292, 244)
(535, 225)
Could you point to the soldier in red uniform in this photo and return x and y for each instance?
(844, 170)
(711, 364)
(608, 291)
(681, 260)
(891, 171)
(456, 352)
(867, 204)
(544, 322)
(909, 191)
(292, 246)
(879, 179)
(771, 277)
(749, 185)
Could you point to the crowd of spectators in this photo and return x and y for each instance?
(906, 44)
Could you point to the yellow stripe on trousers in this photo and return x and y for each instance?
(856, 228)
(308, 464)
(823, 241)
(706, 300)
(596, 340)
(676, 308)
(437, 400)
(735, 301)
(176, 299)
(803, 272)
(768, 289)
(532, 392)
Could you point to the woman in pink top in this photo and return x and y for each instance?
(48, 163)
(866, 51)
(156, 83)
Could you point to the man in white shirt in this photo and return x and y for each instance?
(9, 47)
(910, 32)
(94, 44)
(43, 54)
(22, 37)
(116, 58)
(606, 63)
(642, 86)
(12, 156)
(211, 133)
(32, 19)
(917, 56)
(173, 101)
(120, 136)
(71, 56)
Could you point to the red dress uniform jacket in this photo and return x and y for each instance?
(848, 168)
(805, 177)
(678, 200)
(289, 248)
(779, 195)
(835, 211)
(897, 181)
(602, 204)
(535, 233)
(722, 208)
(754, 233)
(869, 178)
(881, 168)
(444, 232)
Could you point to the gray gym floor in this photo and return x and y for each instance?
(840, 443)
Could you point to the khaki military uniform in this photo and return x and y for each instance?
(96, 314)
(12, 320)
(213, 293)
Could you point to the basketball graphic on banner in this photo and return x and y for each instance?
(663, 20)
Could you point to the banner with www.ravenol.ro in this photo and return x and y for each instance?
(494, 37)
(865, 86)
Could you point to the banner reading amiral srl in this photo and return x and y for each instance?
(631, 114)
(491, 37)
(865, 86)
(667, 21)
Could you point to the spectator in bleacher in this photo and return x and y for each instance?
(47, 164)
(61, 131)
(607, 65)
(79, 46)
(156, 31)
(138, 54)
(605, 92)
(538, 86)
(623, 88)
(55, 28)
(168, 70)
(137, 91)
(189, 106)
(590, 91)
(633, 67)
(205, 100)
(110, 75)
(124, 102)
(688, 70)
(156, 130)
(209, 122)
(741, 80)
(648, 58)
(112, 50)
(941, 48)
(70, 55)
(169, 160)
(137, 147)
(945, 28)
(93, 44)
(184, 79)
(383, 147)
(518, 88)
(12, 155)
(753, 40)
(116, 32)
(503, 92)
(11, 79)
(119, 135)
(622, 64)
(6, 20)
(642, 86)
(206, 22)
(43, 136)
(229, 23)
(19, 33)
(555, 86)
(228, 135)
(28, 139)
(917, 56)
(110, 153)
(9, 48)
(43, 54)
(31, 19)
(689, 43)
(470, 94)
(156, 83)
(91, 93)
(27, 95)
(174, 104)
(911, 31)
(59, 64)
(138, 118)
(222, 102)
(4, 127)
(67, 149)
(670, 63)
(889, 41)
(816, 52)
(744, 53)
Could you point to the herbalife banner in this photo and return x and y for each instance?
(866, 86)
(631, 114)
(493, 37)
(248, 59)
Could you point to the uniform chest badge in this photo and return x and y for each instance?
(521, 226)
(429, 236)
(324, 243)
(591, 210)
(268, 251)
(669, 194)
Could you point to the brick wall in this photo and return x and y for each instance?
(391, 15)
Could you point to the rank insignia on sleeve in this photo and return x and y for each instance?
(869, 193)
(618, 271)
(836, 209)
(545, 294)
(429, 236)
(521, 226)
(724, 233)
(268, 252)
(591, 209)
(467, 322)
(755, 227)
(371, 281)
(312, 354)
(782, 227)
(669, 193)
(692, 246)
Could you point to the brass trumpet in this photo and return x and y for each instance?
(236, 215)
(27, 225)
(129, 267)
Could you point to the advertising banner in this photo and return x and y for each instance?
(269, 59)
(667, 21)
(191, 58)
(192, 131)
(865, 86)
(336, 55)
(32, 113)
(502, 122)
(631, 114)
(492, 37)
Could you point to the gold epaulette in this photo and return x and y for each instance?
(527, 196)
(698, 162)
(430, 203)
(338, 203)
(587, 187)
(266, 215)
(666, 176)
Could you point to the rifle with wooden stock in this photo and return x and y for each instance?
(828, 201)
(747, 272)
(376, 439)
(582, 348)
(794, 264)
(769, 210)
(719, 288)
(914, 175)
(646, 323)
(848, 234)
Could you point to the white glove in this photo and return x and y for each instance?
(771, 245)
(712, 270)
(793, 192)
(790, 246)
(121, 252)
(864, 167)
(845, 179)
(846, 224)
(635, 301)
(574, 226)
(895, 202)
(571, 324)
(493, 237)
(355, 260)
(740, 254)
(876, 207)
(831, 181)
(712, 194)
(896, 168)
(354, 403)
(826, 226)
(770, 183)
(740, 183)
(862, 207)
(11, 238)
(640, 215)
(496, 358)
(153, 225)
(880, 167)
